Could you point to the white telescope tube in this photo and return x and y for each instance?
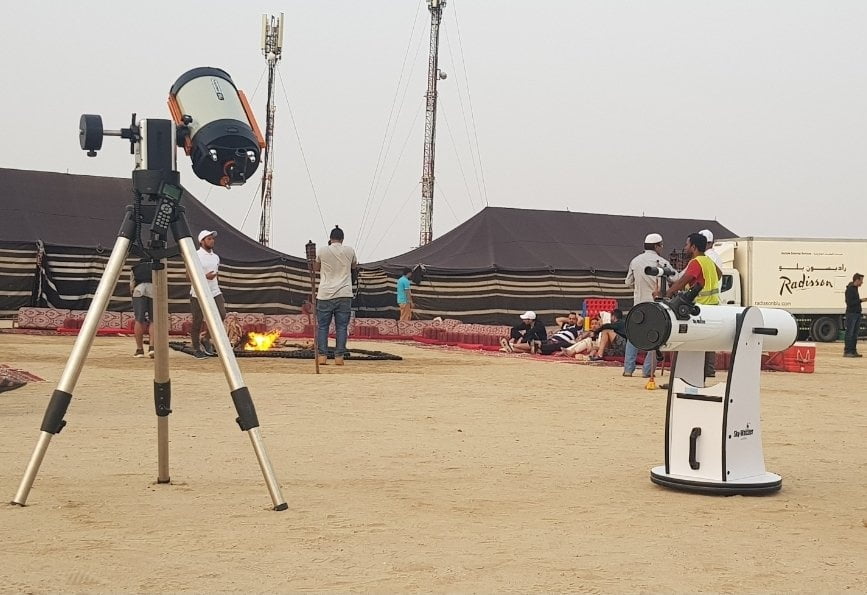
(653, 325)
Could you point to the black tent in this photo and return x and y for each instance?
(57, 230)
(504, 261)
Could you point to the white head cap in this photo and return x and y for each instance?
(653, 238)
(707, 234)
(528, 315)
(205, 233)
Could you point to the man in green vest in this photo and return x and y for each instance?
(703, 271)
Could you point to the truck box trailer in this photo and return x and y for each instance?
(805, 276)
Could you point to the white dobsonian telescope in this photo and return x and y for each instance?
(713, 434)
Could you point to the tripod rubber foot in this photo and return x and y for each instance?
(283, 506)
(164, 481)
(17, 504)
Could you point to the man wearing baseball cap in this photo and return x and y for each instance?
(643, 287)
(526, 336)
(210, 264)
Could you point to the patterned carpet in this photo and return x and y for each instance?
(525, 356)
(18, 375)
(28, 331)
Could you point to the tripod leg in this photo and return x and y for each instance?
(162, 381)
(247, 419)
(53, 420)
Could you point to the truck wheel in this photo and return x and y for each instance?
(825, 329)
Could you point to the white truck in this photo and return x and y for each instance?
(805, 276)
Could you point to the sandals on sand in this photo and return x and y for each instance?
(505, 345)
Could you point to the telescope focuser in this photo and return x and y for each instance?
(683, 304)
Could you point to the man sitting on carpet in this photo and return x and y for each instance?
(584, 342)
(525, 337)
(612, 337)
(559, 341)
(570, 320)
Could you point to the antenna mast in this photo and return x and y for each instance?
(272, 48)
(430, 122)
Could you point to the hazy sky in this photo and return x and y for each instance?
(750, 112)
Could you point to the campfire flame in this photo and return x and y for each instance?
(261, 341)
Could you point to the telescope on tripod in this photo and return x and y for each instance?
(212, 121)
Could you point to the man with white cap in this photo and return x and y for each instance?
(525, 337)
(643, 288)
(210, 264)
(710, 252)
(710, 357)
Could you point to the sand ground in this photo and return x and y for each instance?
(448, 471)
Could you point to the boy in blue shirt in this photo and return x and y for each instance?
(404, 295)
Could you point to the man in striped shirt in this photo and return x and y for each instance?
(560, 340)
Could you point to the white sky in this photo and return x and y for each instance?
(752, 113)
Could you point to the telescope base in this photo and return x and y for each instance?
(766, 483)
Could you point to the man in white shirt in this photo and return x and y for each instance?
(210, 264)
(643, 288)
(710, 356)
(710, 252)
(335, 263)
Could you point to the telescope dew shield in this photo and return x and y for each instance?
(222, 137)
(653, 325)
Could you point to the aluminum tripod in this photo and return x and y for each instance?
(53, 420)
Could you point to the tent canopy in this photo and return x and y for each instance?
(74, 210)
(509, 239)
(57, 232)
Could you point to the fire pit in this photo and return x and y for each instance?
(260, 341)
(267, 345)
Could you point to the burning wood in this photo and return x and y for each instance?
(261, 341)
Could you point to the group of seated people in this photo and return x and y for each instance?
(601, 337)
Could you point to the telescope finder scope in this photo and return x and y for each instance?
(660, 271)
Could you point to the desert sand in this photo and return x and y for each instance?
(449, 471)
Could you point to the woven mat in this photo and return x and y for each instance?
(297, 352)
(19, 375)
(28, 331)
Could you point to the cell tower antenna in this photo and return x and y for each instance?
(272, 48)
(433, 75)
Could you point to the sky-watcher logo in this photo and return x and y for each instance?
(743, 433)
